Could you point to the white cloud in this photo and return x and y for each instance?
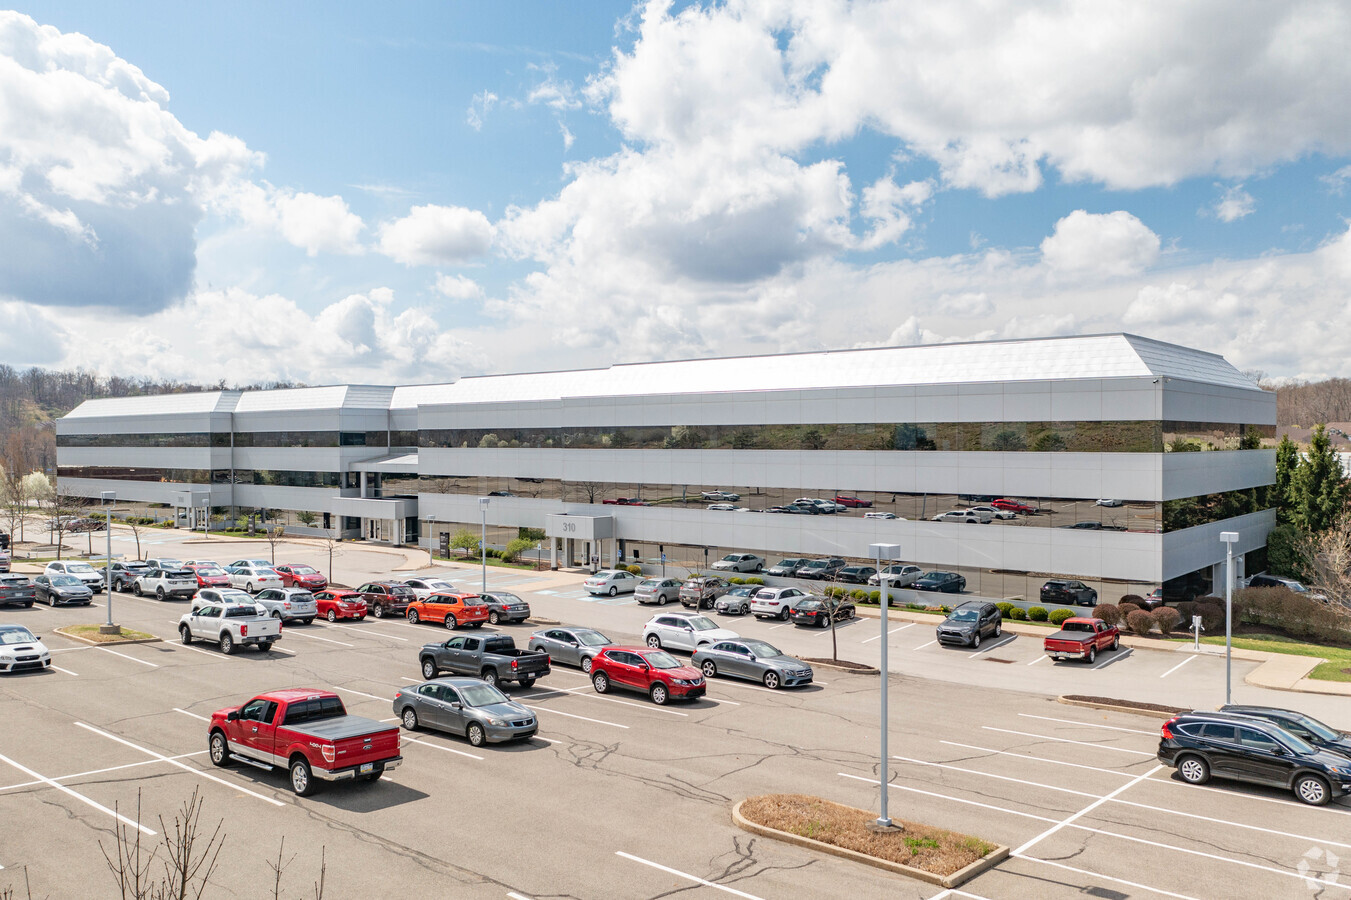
(557, 95)
(888, 205)
(1337, 181)
(478, 108)
(1096, 245)
(568, 136)
(458, 287)
(1234, 204)
(432, 235)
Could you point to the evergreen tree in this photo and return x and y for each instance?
(1319, 488)
(1287, 461)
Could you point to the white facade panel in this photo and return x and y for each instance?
(271, 496)
(1193, 548)
(1195, 474)
(145, 491)
(1190, 401)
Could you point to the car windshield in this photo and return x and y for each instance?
(506, 598)
(783, 563)
(591, 638)
(660, 660)
(170, 563)
(760, 648)
(816, 564)
(79, 567)
(964, 615)
(66, 580)
(482, 695)
(701, 623)
(1319, 729)
(210, 570)
(731, 557)
(14, 634)
(303, 570)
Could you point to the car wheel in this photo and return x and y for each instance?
(248, 587)
(600, 681)
(661, 599)
(264, 646)
(493, 617)
(451, 622)
(185, 634)
(429, 668)
(784, 613)
(136, 588)
(219, 749)
(654, 642)
(489, 676)
(302, 779)
(306, 621)
(1194, 770)
(527, 682)
(1312, 790)
(771, 680)
(476, 734)
(975, 641)
(759, 567)
(998, 628)
(586, 664)
(227, 644)
(379, 611)
(1116, 642)
(413, 617)
(1092, 655)
(159, 594)
(825, 622)
(660, 695)
(710, 669)
(409, 718)
(332, 615)
(276, 614)
(613, 590)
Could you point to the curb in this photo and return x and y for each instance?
(1150, 713)
(993, 858)
(814, 663)
(75, 637)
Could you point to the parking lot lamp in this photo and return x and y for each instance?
(108, 498)
(483, 540)
(881, 552)
(1228, 537)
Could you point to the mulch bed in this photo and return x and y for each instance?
(933, 850)
(842, 663)
(1132, 704)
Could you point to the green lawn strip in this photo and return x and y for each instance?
(91, 633)
(1338, 658)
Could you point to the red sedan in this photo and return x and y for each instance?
(209, 575)
(1013, 506)
(301, 576)
(335, 605)
(853, 502)
(654, 672)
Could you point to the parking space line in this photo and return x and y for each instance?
(515, 896)
(1052, 762)
(1028, 845)
(1115, 658)
(1011, 639)
(67, 671)
(687, 876)
(391, 637)
(413, 740)
(574, 716)
(147, 762)
(930, 644)
(1036, 784)
(78, 796)
(889, 633)
(1168, 779)
(132, 658)
(199, 650)
(901, 787)
(1178, 666)
(584, 692)
(193, 714)
(1038, 659)
(186, 768)
(1043, 737)
(315, 637)
(1152, 734)
(1143, 887)
(364, 694)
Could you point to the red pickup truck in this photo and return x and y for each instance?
(307, 732)
(1082, 639)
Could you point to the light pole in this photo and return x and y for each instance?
(1229, 538)
(108, 498)
(483, 540)
(882, 552)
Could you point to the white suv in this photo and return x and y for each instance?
(776, 601)
(165, 583)
(898, 576)
(684, 631)
(222, 597)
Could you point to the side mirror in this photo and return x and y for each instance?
(572, 643)
(689, 627)
(232, 716)
(1280, 751)
(455, 704)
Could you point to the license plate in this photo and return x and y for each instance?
(366, 768)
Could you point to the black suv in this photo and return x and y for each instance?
(1066, 592)
(971, 621)
(1300, 725)
(1244, 748)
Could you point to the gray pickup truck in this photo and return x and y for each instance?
(492, 657)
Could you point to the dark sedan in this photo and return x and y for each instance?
(857, 574)
(57, 590)
(1300, 725)
(819, 611)
(504, 607)
(943, 582)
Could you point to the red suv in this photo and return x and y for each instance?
(301, 576)
(654, 672)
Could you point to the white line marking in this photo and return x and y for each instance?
(1011, 639)
(686, 875)
(67, 671)
(364, 694)
(388, 637)
(583, 718)
(777, 627)
(930, 644)
(1049, 787)
(1178, 666)
(414, 680)
(589, 692)
(546, 740)
(1089, 808)
(1229, 792)
(186, 768)
(193, 714)
(148, 762)
(515, 896)
(889, 633)
(1153, 734)
(901, 787)
(1162, 893)
(1115, 658)
(1053, 762)
(81, 797)
(132, 658)
(413, 740)
(390, 719)
(314, 637)
(1043, 737)
(1038, 659)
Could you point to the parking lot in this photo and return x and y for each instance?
(620, 798)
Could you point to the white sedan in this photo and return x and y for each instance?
(994, 513)
(612, 581)
(20, 649)
(684, 631)
(425, 587)
(252, 578)
(721, 496)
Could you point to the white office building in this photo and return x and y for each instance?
(1124, 459)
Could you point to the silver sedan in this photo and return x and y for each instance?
(753, 660)
(466, 706)
(570, 646)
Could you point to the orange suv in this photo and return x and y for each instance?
(451, 610)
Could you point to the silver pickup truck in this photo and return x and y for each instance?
(230, 627)
(492, 657)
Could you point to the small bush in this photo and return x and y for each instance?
(1212, 613)
(1140, 622)
(858, 594)
(1166, 618)
(945, 609)
(1108, 612)
(1058, 616)
(834, 592)
(875, 596)
(1037, 613)
(736, 581)
(1135, 599)
(1126, 610)
(1018, 614)
(917, 606)
(1004, 609)
(756, 580)
(636, 570)
(515, 547)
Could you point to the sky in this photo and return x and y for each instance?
(414, 192)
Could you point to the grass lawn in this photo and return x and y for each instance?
(91, 633)
(1337, 667)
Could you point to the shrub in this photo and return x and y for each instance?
(756, 580)
(736, 581)
(1291, 614)
(1212, 614)
(1126, 610)
(1004, 609)
(945, 609)
(1018, 613)
(636, 570)
(1139, 621)
(1108, 612)
(1037, 613)
(515, 547)
(1166, 618)
(834, 592)
(1058, 616)
(1135, 599)
(858, 594)
(875, 596)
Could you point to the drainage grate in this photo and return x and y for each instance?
(1007, 662)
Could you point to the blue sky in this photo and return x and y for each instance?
(333, 192)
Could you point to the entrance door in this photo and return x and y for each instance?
(374, 531)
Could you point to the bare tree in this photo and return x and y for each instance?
(1324, 558)
(331, 543)
(135, 532)
(273, 535)
(66, 507)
